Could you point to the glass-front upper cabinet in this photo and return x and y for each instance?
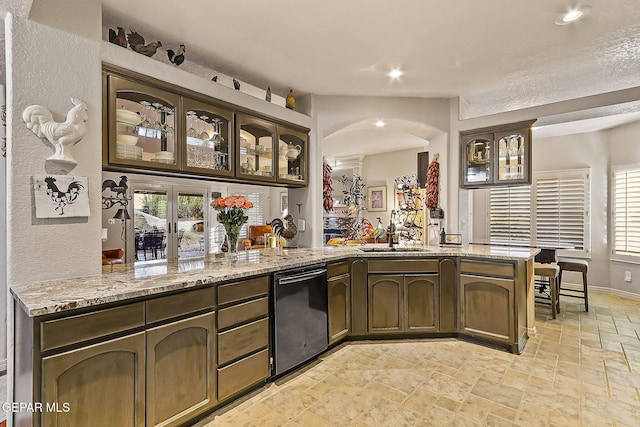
(255, 148)
(477, 154)
(513, 163)
(142, 125)
(293, 155)
(209, 138)
(496, 156)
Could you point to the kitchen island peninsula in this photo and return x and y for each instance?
(169, 342)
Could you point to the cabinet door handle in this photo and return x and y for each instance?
(169, 228)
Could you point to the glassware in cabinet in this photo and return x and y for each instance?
(476, 165)
(293, 147)
(142, 125)
(209, 138)
(513, 161)
(255, 148)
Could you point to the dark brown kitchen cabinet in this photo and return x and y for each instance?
(255, 148)
(181, 370)
(293, 155)
(115, 368)
(403, 296)
(339, 290)
(403, 303)
(496, 156)
(142, 125)
(488, 295)
(153, 125)
(209, 140)
(243, 335)
(385, 302)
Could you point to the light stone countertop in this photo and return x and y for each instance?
(127, 281)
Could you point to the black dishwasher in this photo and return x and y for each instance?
(299, 322)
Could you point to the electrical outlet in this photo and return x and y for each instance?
(302, 225)
(627, 276)
(112, 221)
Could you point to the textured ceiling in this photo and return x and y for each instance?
(498, 55)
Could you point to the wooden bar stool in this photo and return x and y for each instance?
(580, 266)
(550, 272)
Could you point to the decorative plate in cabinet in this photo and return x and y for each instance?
(142, 128)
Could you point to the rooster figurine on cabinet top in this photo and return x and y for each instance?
(118, 38)
(291, 100)
(137, 44)
(61, 135)
(176, 57)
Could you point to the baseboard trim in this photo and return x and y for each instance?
(617, 292)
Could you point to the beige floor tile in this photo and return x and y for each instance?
(386, 413)
(308, 419)
(581, 369)
(450, 387)
(478, 408)
(499, 393)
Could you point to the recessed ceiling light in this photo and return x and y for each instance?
(395, 73)
(573, 15)
(379, 123)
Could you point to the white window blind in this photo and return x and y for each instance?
(626, 216)
(562, 210)
(510, 215)
(256, 213)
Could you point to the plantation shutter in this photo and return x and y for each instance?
(562, 210)
(510, 215)
(256, 213)
(627, 211)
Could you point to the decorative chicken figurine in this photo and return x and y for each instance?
(61, 135)
(279, 227)
(176, 57)
(291, 100)
(236, 84)
(137, 44)
(268, 95)
(118, 38)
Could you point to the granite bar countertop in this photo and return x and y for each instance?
(122, 282)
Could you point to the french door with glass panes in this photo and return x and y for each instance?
(168, 221)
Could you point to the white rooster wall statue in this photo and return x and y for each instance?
(61, 135)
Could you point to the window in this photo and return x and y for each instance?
(553, 212)
(626, 213)
(562, 210)
(510, 215)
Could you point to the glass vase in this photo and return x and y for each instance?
(233, 232)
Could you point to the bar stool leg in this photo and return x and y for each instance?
(584, 286)
(554, 295)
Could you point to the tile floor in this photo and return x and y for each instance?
(580, 369)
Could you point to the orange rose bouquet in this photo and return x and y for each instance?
(231, 214)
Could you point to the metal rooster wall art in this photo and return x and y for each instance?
(61, 135)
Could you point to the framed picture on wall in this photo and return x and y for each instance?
(377, 198)
(423, 163)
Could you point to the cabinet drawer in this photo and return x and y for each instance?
(337, 269)
(403, 266)
(179, 304)
(238, 291)
(75, 329)
(239, 341)
(243, 312)
(243, 373)
(488, 268)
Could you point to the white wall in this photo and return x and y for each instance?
(624, 150)
(382, 169)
